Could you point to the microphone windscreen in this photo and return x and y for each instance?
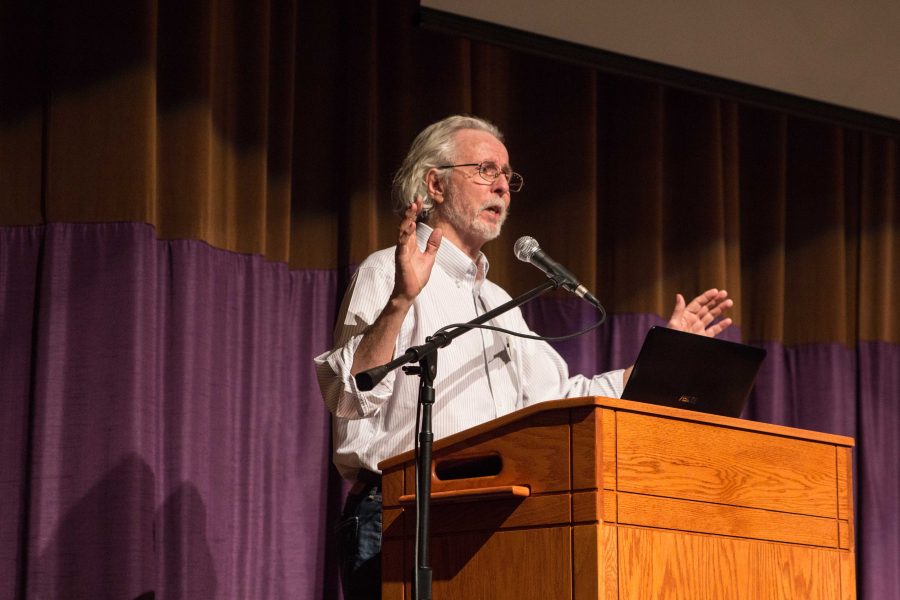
(525, 248)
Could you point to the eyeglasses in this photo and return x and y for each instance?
(489, 171)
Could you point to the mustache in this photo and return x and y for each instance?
(497, 203)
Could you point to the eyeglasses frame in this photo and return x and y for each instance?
(510, 177)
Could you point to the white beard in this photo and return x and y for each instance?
(471, 223)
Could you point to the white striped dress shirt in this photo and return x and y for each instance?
(481, 375)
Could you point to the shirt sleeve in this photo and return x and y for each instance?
(545, 376)
(366, 297)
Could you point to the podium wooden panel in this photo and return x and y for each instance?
(603, 498)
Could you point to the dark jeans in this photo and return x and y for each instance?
(359, 544)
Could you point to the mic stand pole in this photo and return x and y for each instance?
(426, 355)
(426, 371)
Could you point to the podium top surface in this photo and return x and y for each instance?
(627, 406)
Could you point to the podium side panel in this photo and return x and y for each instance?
(587, 563)
(704, 517)
(608, 449)
(586, 466)
(610, 540)
(534, 453)
(696, 461)
(848, 576)
(662, 564)
(393, 570)
(845, 496)
(522, 564)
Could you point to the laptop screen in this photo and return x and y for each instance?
(695, 372)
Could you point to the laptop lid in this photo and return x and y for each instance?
(696, 372)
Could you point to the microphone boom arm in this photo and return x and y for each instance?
(366, 380)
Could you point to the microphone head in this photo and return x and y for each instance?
(525, 248)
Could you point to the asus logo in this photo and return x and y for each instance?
(689, 399)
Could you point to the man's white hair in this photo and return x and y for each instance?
(433, 147)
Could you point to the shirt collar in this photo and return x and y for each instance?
(454, 261)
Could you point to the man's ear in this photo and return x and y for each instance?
(435, 185)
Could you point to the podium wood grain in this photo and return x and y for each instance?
(603, 498)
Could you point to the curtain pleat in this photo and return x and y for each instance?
(878, 446)
(184, 188)
(175, 444)
(879, 241)
(20, 258)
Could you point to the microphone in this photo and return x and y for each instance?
(528, 250)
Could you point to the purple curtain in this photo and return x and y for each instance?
(162, 434)
(162, 431)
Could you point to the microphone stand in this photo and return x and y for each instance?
(426, 355)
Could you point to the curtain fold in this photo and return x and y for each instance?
(174, 444)
(878, 528)
(20, 259)
(184, 188)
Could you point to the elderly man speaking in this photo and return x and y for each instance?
(452, 193)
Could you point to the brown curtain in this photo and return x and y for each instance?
(273, 128)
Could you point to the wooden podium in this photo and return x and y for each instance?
(603, 498)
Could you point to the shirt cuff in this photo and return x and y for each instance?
(353, 402)
(610, 384)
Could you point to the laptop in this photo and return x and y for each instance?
(696, 372)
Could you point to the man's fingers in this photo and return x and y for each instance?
(434, 241)
(713, 312)
(711, 295)
(407, 227)
(676, 321)
(699, 316)
(712, 300)
(720, 308)
(718, 327)
(406, 233)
